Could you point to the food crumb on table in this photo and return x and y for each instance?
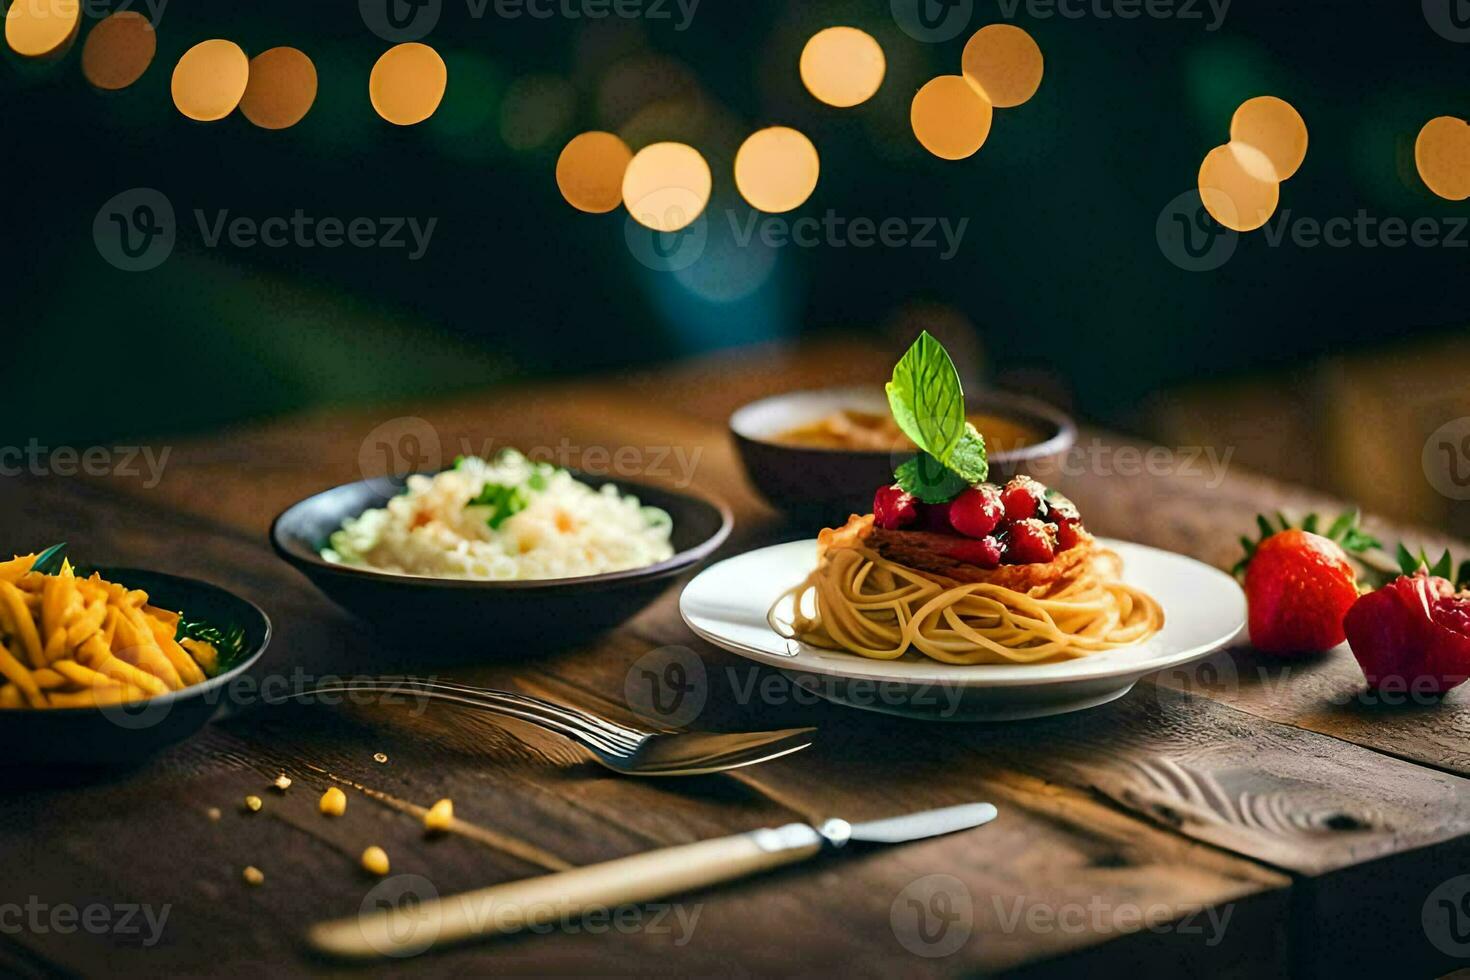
(439, 817)
(375, 861)
(282, 783)
(380, 757)
(333, 802)
(253, 803)
(253, 875)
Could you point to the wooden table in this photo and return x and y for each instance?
(1246, 818)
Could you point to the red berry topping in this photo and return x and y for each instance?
(1022, 498)
(1031, 543)
(1069, 535)
(977, 512)
(986, 552)
(894, 509)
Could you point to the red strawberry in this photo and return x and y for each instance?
(1299, 586)
(977, 512)
(894, 509)
(1031, 543)
(1412, 635)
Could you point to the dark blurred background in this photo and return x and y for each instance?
(1328, 365)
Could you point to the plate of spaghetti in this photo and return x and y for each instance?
(961, 598)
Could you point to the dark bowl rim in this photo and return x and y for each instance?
(1063, 439)
(308, 561)
(184, 693)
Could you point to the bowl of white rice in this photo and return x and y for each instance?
(504, 553)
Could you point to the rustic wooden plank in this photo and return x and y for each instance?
(1157, 755)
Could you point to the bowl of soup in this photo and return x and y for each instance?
(821, 454)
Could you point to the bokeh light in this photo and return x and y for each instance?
(537, 110)
(119, 50)
(407, 83)
(950, 118)
(776, 169)
(281, 90)
(1277, 130)
(667, 186)
(36, 28)
(210, 79)
(590, 172)
(1442, 154)
(1232, 192)
(843, 66)
(1004, 63)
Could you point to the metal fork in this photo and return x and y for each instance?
(625, 750)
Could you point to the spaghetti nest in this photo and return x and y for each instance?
(866, 604)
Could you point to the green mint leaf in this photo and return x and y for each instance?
(929, 480)
(1445, 567)
(1344, 524)
(927, 399)
(1310, 524)
(968, 458)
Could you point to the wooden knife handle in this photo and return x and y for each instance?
(567, 895)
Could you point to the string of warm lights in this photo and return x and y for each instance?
(1240, 182)
(666, 186)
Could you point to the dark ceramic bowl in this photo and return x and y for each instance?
(826, 485)
(130, 733)
(499, 619)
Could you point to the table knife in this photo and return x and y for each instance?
(535, 903)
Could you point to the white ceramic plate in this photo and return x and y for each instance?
(1204, 609)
